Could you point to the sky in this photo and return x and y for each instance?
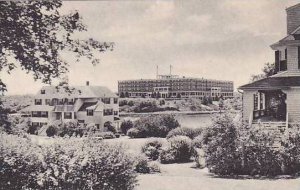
(214, 39)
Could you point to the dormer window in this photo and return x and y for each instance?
(38, 101)
(42, 91)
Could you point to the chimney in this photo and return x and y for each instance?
(293, 18)
(87, 83)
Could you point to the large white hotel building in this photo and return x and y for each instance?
(173, 86)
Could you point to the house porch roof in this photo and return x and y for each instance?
(273, 83)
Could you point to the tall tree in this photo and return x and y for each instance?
(33, 35)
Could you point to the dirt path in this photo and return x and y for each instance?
(185, 177)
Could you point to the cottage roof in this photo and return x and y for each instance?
(97, 107)
(76, 92)
(273, 82)
(38, 108)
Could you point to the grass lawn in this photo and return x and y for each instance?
(185, 177)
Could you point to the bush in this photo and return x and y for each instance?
(152, 149)
(133, 133)
(32, 130)
(178, 151)
(153, 126)
(141, 165)
(231, 150)
(126, 125)
(51, 131)
(221, 150)
(185, 131)
(108, 125)
(65, 164)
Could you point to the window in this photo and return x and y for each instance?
(70, 101)
(255, 96)
(44, 114)
(38, 101)
(68, 115)
(48, 102)
(60, 102)
(115, 100)
(35, 114)
(98, 126)
(42, 91)
(115, 112)
(106, 100)
(89, 112)
(107, 112)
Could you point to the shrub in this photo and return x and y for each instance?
(51, 131)
(153, 126)
(185, 131)
(152, 149)
(126, 125)
(154, 167)
(65, 164)
(141, 165)
(167, 156)
(221, 151)
(108, 125)
(32, 130)
(178, 151)
(133, 133)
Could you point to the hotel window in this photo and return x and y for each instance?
(42, 91)
(68, 115)
(44, 114)
(89, 112)
(38, 101)
(115, 112)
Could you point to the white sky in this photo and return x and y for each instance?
(227, 40)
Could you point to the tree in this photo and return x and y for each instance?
(34, 34)
(108, 125)
(268, 70)
(125, 126)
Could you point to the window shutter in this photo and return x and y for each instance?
(277, 60)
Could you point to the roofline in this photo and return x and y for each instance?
(175, 79)
(292, 7)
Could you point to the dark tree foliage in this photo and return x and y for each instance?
(33, 35)
(268, 70)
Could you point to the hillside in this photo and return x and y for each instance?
(16, 102)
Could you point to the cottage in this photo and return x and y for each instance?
(86, 104)
(276, 100)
